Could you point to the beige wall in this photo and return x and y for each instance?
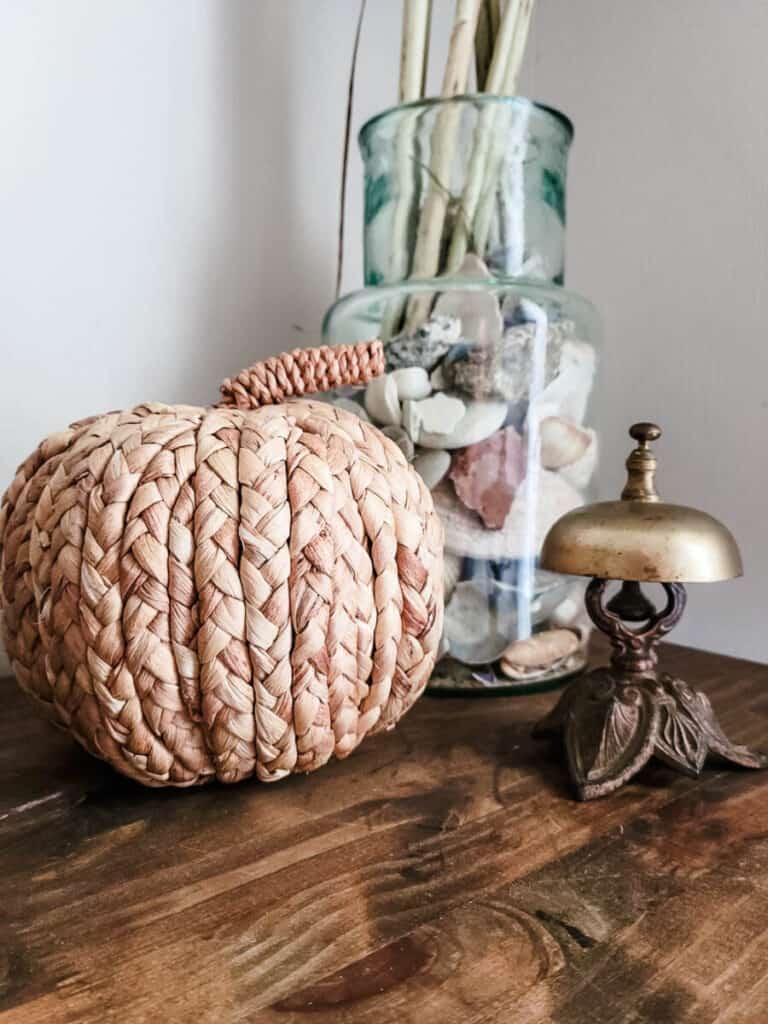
(169, 214)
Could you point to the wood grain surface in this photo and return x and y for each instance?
(441, 875)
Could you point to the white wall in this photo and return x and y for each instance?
(168, 205)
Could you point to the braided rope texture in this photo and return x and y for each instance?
(201, 594)
(304, 371)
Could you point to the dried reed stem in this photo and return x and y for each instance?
(414, 52)
(484, 42)
(484, 135)
(414, 49)
(484, 213)
(426, 255)
(518, 49)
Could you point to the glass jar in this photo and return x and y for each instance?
(490, 367)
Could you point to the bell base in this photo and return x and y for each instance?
(612, 723)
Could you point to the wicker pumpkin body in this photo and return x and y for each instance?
(217, 593)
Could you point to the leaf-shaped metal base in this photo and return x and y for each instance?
(615, 719)
(612, 724)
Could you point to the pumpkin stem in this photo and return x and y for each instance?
(304, 371)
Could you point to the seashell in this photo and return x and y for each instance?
(480, 420)
(568, 394)
(381, 401)
(562, 442)
(539, 652)
(439, 415)
(411, 420)
(412, 382)
(432, 466)
(524, 529)
(351, 406)
(486, 475)
(579, 473)
(451, 573)
(401, 439)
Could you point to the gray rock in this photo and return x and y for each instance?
(412, 382)
(401, 439)
(352, 406)
(505, 369)
(432, 466)
(484, 616)
(381, 401)
(426, 347)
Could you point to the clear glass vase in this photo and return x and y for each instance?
(490, 367)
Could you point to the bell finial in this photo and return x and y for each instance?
(641, 464)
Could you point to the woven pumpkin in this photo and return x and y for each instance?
(200, 593)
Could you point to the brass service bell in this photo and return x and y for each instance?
(614, 719)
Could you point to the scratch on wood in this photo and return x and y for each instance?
(584, 940)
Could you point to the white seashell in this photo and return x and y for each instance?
(411, 420)
(480, 420)
(524, 529)
(539, 652)
(562, 442)
(451, 573)
(439, 415)
(352, 406)
(432, 466)
(381, 401)
(567, 395)
(579, 473)
(412, 382)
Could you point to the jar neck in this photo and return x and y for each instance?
(477, 175)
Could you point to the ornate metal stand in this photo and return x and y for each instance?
(615, 719)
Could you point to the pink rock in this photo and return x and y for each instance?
(486, 475)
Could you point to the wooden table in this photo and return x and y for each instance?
(441, 875)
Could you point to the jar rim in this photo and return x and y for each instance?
(521, 102)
